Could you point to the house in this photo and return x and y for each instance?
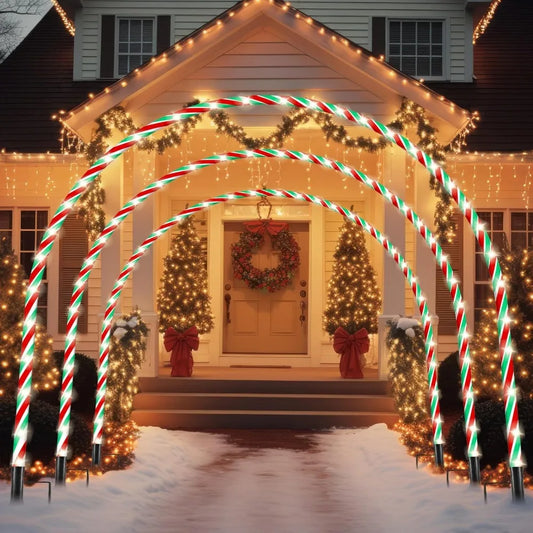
(86, 59)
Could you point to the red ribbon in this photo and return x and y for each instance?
(266, 226)
(351, 348)
(181, 344)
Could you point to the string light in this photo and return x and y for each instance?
(64, 17)
(483, 24)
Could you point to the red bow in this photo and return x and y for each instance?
(181, 344)
(351, 348)
(266, 226)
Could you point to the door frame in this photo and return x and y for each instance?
(288, 211)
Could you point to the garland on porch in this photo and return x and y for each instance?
(409, 114)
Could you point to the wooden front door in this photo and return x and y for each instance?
(259, 321)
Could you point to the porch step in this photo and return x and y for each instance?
(216, 419)
(262, 402)
(199, 403)
(264, 386)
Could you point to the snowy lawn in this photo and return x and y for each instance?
(351, 480)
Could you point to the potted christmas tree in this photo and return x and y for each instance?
(182, 300)
(353, 301)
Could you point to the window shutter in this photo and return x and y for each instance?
(107, 47)
(73, 247)
(163, 33)
(379, 36)
(444, 308)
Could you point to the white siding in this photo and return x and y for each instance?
(351, 19)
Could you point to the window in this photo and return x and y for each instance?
(24, 229)
(135, 43)
(514, 228)
(416, 47)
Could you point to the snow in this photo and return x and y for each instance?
(349, 480)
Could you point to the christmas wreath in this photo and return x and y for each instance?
(271, 279)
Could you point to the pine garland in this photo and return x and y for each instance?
(409, 114)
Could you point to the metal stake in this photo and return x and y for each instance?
(97, 454)
(439, 455)
(17, 483)
(517, 483)
(475, 469)
(61, 470)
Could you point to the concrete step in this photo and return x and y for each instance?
(334, 386)
(262, 402)
(216, 419)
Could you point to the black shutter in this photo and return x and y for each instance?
(73, 247)
(107, 47)
(163, 33)
(379, 36)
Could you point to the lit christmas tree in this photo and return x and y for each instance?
(12, 295)
(486, 370)
(354, 298)
(182, 299)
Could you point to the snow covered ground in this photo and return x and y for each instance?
(351, 480)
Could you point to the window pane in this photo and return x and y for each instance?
(409, 50)
(26, 260)
(422, 33)
(27, 241)
(6, 220)
(498, 240)
(147, 48)
(394, 32)
(422, 66)
(27, 219)
(409, 32)
(144, 59)
(436, 32)
(395, 62)
(6, 235)
(518, 221)
(485, 217)
(530, 241)
(482, 294)
(123, 27)
(135, 30)
(422, 49)
(122, 64)
(530, 221)
(497, 220)
(482, 273)
(135, 48)
(147, 31)
(436, 66)
(436, 49)
(409, 65)
(123, 47)
(42, 219)
(135, 61)
(518, 241)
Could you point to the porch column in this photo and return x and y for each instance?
(394, 228)
(143, 282)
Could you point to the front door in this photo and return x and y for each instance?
(257, 321)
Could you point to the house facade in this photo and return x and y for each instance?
(87, 59)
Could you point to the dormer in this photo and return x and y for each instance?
(432, 41)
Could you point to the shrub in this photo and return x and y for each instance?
(43, 437)
(450, 382)
(84, 384)
(490, 416)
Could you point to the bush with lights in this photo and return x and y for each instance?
(126, 354)
(354, 298)
(486, 370)
(407, 369)
(12, 295)
(182, 299)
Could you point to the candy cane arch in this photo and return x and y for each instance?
(81, 282)
(120, 282)
(30, 311)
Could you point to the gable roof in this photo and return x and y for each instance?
(36, 83)
(301, 31)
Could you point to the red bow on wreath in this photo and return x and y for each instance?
(181, 344)
(351, 348)
(266, 226)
